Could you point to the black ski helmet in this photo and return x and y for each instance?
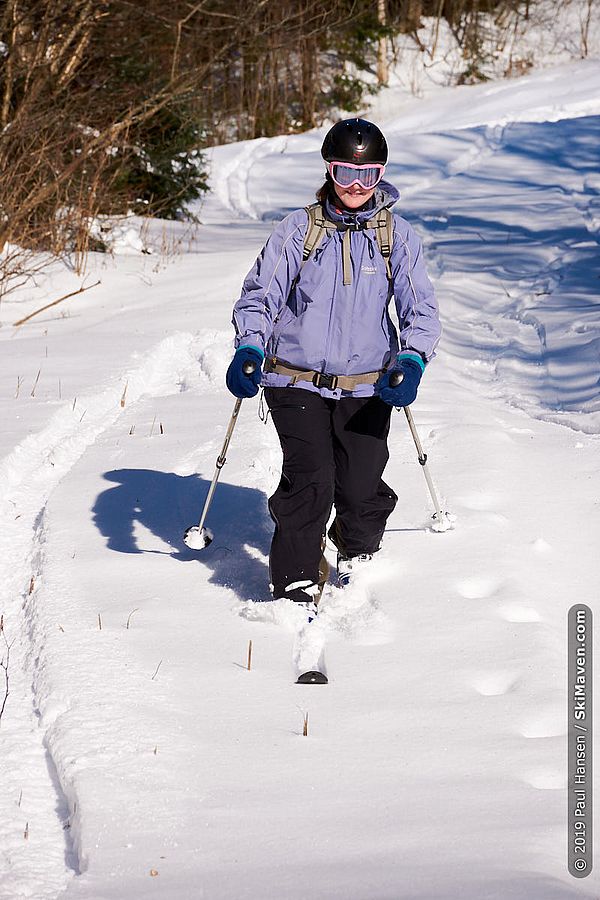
(355, 141)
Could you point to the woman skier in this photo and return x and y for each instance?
(313, 318)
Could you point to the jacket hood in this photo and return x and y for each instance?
(385, 196)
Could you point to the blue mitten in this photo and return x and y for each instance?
(241, 379)
(410, 368)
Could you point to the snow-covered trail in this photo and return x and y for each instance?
(151, 761)
(32, 792)
(463, 709)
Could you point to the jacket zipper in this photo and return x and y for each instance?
(278, 338)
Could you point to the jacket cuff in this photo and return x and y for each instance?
(411, 354)
(251, 347)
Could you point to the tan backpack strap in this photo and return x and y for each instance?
(346, 258)
(384, 232)
(317, 226)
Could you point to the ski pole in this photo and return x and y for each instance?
(197, 537)
(439, 515)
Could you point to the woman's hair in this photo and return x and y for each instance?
(325, 190)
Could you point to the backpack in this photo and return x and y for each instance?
(318, 225)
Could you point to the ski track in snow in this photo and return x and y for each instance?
(33, 800)
(232, 184)
(523, 342)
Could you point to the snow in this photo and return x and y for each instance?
(198, 538)
(140, 756)
(545, 35)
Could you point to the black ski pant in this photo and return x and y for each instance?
(334, 452)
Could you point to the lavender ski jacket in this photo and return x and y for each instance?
(321, 324)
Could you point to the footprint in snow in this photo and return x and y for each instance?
(541, 546)
(478, 587)
(547, 724)
(494, 683)
(515, 612)
(546, 779)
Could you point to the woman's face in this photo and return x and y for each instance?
(354, 196)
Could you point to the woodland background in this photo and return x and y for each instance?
(106, 105)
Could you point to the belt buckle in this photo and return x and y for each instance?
(323, 380)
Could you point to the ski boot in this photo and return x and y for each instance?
(349, 566)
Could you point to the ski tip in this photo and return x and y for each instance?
(312, 678)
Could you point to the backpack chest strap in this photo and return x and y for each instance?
(319, 225)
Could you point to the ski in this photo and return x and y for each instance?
(309, 648)
(313, 677)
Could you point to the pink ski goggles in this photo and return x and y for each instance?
(346, 174)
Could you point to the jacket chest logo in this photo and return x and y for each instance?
(369, 270)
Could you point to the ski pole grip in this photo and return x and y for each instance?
(396, 378)
(249, 367)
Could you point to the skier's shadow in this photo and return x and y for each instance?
(166, 504)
